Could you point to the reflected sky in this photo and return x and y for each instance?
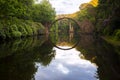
(67, 65)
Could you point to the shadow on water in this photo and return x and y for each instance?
(18, 58)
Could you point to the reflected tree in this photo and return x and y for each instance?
(103, 54)
(18, 61)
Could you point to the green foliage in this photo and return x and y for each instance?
(19, 28)
(22, 30)
(16, 8)
(105, 17)
(14, 31)
(29, 30)
(2, 33)
(16, 34)
(17, 16)
(40, 28)
(87, 11)
(13, 28)
(43, 12)
(34, 29)
(108, 18)
(117, 34)
(54, 27)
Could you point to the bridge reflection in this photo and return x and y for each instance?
(62, 48)
(63, 31)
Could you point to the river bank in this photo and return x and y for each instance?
(16, 28)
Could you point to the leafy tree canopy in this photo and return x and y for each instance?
(43, 12)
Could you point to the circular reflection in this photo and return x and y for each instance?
(64, 48)
(64, 31)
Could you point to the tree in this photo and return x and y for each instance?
(87, 11)
(15, 8)
(25, 8)
(44, 13)
(108, 12)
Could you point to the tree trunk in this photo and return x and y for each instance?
(47, 28)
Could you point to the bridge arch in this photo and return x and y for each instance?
(66, 18)
(60, 19)
(75, 21)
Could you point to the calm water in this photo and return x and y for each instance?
(52, 58)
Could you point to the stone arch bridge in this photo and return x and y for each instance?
(85, 26)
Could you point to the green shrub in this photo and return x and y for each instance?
(22, 30)
(14, 27)
(29, 30)
(117, 34)
(2, 34)
(16, 34)
(34, 29)
(7, 32)
(13, 31)
(107, 30)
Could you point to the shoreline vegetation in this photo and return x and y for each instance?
(17, 28)
(22, 18)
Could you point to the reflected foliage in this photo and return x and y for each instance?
(103, 54)
(17, 58)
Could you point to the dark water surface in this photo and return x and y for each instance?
(43, 58)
